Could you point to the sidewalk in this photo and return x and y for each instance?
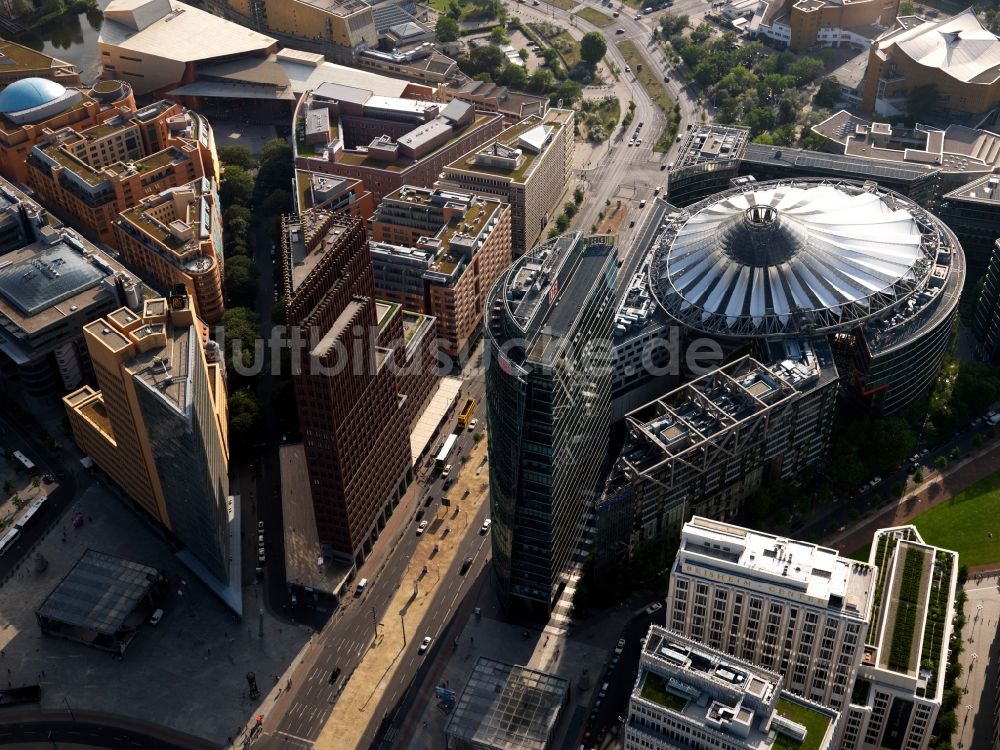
(918, 498)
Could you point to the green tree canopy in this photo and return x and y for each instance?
(241, 280)
(593, 45)
(446, 29)
(244, 417)
(829, 92)
(237, 187)
(237, 156)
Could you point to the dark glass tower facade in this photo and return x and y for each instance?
(548, 385)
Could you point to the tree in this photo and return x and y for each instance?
(486, 59)
(592, 48)
(540, 82)
(275, 203)
(276, 169)
(237, 156)
(829, 92)
(236, 219)
(497, 35)
(454, 10)
(702, 33)
(568, 91)
(941, 462)
(906, 8)
(673, 25)
(562, 222)
(241, 281)
(806, 69)
(239, 324)
(513, 76)
(569, 208)
(244, 414)
(446, 28)
(918, 476)
(578, 196)
(237, 187)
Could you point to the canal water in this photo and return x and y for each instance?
(73, 38)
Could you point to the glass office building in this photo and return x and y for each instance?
(548, 384)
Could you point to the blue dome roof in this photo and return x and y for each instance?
(28, 93)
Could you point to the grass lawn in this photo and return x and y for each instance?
(594, 16)
(653, 86)
(965, 522)
(567, 47)
(861, 554)
(654, 688)
(562, 4)
(815, 723)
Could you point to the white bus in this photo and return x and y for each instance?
(8, 540)
(33, 510)
(445, 452)
(25, 461)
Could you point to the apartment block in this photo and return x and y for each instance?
(386, 141)
(176, 238)
(688, 695)
(793, 607)
(529, 166)
(31, 106)
(901, 676)
(92, 175)
(157, 427)
(439, 252)
(803, 24)
(548, 387)
(52, 283)
(359, 382)
(707, 446)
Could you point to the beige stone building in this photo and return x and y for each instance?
(527, 165)
(157, 427)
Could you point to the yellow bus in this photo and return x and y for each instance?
(466, 416)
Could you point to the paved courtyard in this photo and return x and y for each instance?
(188, 673)
(979, 663)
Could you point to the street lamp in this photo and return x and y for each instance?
(402, 623)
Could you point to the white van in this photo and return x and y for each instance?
(361, 587)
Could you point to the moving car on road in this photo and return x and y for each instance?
(486, 526)
(424, 644)
(420, 527)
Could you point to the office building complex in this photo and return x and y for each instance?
(158, 428)
(357, 386)
(705, 447)
(52, 283)
(867, 268)
(31, 107)
(901, 675)
(712, 155)
(986, 321)
(956, 55)
(92, 175)
(528, 166)
(490, 97)
(972, 212)
(439, 252)
(802, 24)
(547, 332)
(792, 607)
(157, 44)
(688, 695)
(176, 238)
(385, 141)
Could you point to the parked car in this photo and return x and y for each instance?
(155, 618)
(472, 424)
(426, 642)
(261, 557)
(620, 647)
(260, 527)
(653, 608)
